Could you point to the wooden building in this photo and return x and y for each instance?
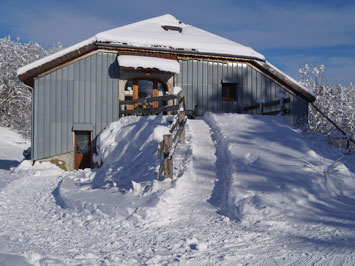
(76, 91)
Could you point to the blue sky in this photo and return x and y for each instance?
(288, 33)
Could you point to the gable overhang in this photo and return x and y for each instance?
(261, 65)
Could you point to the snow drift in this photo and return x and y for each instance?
(126, 180)
(273, 170)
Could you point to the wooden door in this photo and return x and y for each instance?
(82, 149)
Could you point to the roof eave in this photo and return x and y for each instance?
(28, 76)
(177, 51)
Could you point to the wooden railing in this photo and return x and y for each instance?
(168, 145)
(144, 106)
(261, 107)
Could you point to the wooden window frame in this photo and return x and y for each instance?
(228, 87)
(155, 89)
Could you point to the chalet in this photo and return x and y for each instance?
(77, 92)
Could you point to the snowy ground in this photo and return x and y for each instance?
(247, 190)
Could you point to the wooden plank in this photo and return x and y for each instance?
(150, 99)
(181, 117)
(160, 150)
(150, 111)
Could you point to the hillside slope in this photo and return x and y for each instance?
(246, 189)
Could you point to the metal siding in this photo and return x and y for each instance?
(93, 85)
(238, 75)
(76, 91)
(199, 100)
(215, 96)
(184, 79)
(87, 91)
(40, 96)
(254, 89)
(222, 75)
(98, 120)
(204, 87)
(104, 90)
(70, 146)
(109, 93)
(209, 106)
(58, 111)
(33, 120)
(46, 132)
(81, 95)
(250, 86)
(273, 94)
(115, 94)
(65, 126)
(189, 103)
(219, 87)
(268, 96)
(52, 133)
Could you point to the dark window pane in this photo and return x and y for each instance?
(224, 90)
(145, 88)
(82, 142)
(229, 91)
(233, 91)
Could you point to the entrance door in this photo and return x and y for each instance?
(82, 149)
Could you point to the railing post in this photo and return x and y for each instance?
(168, 163)
(181, 117)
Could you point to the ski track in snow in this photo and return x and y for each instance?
(190, 225)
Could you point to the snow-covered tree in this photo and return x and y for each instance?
(337, 102)
(15, 99)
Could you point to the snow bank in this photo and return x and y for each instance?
(149, 62)
(273, 171)
(159, 133)
(126, 181)
(128, 151)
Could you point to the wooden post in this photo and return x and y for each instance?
(168, 163)
(181, 117)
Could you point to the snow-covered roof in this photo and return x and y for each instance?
(169, 33)
(161, 33)
(164, 32)
(149, 62)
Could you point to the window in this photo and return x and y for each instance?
(229, 91)
(82, 142)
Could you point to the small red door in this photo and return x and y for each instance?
(82, 149)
